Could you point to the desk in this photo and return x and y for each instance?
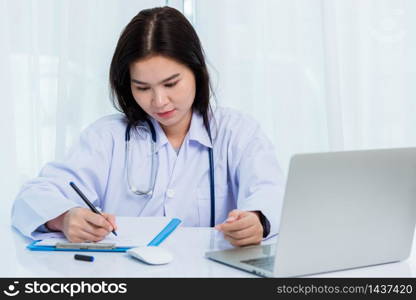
(188, 246)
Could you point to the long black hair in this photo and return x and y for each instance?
(158, 31)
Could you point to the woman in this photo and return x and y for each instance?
(208, 168)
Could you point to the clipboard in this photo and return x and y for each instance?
(104, 247)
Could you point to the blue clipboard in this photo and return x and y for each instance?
(157, 240)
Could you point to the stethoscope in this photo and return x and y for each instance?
(155, 166)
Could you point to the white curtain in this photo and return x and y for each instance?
(319, 75)
(54, 62)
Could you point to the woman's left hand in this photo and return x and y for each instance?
(242, 228)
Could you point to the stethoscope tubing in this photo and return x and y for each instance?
(152, 185)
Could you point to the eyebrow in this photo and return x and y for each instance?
(163, 81)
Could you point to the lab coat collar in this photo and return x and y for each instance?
(161, 138)
(197, 132)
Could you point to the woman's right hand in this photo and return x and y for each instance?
(81, 225)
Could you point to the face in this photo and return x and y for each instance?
(164, 89)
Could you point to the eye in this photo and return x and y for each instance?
(171, 84)
(142, 88)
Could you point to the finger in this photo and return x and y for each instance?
(232, 216)
(252, 240)
(243, 234)
(88, 237)
(111, 219)
(81, 236)
(76, 228)
(242, 223)
(99, 232)
(235, 212)
(98, 220)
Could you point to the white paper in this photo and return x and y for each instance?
(131, 232)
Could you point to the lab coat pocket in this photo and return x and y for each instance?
(204, 203)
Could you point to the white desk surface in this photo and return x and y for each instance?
(188, 246)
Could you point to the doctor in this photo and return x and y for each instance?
(167, 154)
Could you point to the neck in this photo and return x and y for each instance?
(176, 133)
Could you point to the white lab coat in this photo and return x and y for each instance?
(247, 174)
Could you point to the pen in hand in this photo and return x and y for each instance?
(92, 207)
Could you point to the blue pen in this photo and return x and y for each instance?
(92, 207)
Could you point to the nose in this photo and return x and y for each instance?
(160, 98)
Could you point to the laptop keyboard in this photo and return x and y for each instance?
(266, 263)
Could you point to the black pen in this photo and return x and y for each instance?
(92, 207)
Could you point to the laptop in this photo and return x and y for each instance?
(341, 210)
